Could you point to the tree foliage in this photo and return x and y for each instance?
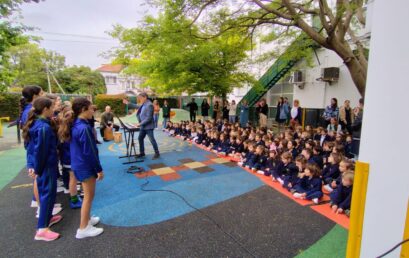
(81, 79)
(335, 29)
(172, 60)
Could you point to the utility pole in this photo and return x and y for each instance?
(48, 77)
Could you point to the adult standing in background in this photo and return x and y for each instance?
(156, 110)
(263, 113)
(146, 124)
(205, 110)
(192, 110)
(232, 112)
(278, 112)
(244, 113)
(296, 114)
(165, 113)
(226, 107)
(331, 111)
(284, 111)
(356, 127)
(346, 116)
(216, 110)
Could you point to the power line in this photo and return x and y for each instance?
(79, 41)
(74, 35)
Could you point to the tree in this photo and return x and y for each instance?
(287, 17)
(27, 64)
(81, 79)
(173, 61)
(10, 35)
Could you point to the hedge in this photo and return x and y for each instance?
(115, 101)
(9, 105)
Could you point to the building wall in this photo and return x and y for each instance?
(117, 83)
(318, 94)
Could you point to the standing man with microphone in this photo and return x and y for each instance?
(146, 123)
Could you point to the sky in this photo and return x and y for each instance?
(86, 23)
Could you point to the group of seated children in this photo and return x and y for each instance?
(303, 161)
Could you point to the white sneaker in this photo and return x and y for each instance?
(281, 181)
(56, 210)
(60, 189)
(240, 164)
(94, 220)
(261, 172)
(89, 231)
(297, 195)
(328, 188)
(315, 200)
(33, 204)
(66, 191)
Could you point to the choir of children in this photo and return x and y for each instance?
(303, 161)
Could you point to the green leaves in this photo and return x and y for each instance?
(172, 60)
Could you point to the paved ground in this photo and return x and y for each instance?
(139, 224)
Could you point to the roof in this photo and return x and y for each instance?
(110, 68)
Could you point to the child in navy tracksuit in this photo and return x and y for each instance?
(344, 166)
(271, 163)
(294, 175)
(42, 163)
(258, 161)
(342, 196)
(284, 170)
(309, 186)
(84, 161)
(247, 159)
(317, 157)
(331, 170)
(223, 145)
(292, 148)
(70, 182)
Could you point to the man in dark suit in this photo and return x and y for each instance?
(192, 110)
(146, 123)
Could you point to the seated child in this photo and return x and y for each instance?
(348, 147)
(245, 162)
(331, 170)
(271, 163)
(341, 197)
(285, 169)
(309, 186)
(233, 145)
(317, 157)
(292, 148)
(344, 166)
(258, 162)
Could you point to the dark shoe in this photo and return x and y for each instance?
(140, 156)
(156, 156)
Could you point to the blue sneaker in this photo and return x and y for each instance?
(76, 205)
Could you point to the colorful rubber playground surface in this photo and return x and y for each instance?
(257, 213)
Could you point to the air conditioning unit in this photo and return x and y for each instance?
(330, 74)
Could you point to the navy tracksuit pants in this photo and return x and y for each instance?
(47, 191)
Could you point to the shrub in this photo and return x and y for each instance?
(9, 105)
(115, 101)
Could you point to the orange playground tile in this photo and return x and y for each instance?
(180, 168)
(170, 177)
(326, 211)
(144, 174)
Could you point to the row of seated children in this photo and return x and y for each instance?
(302, 161)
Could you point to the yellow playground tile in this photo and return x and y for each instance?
(220, 160)
(163, 171)
(193, 165)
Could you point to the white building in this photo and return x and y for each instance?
(117, 82)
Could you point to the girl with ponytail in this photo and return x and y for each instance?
(70, 182)
(84, 161)
(42, 164)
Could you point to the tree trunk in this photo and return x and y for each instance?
(356, 69)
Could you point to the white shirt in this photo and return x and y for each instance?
(294, 112)
(232, 110)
